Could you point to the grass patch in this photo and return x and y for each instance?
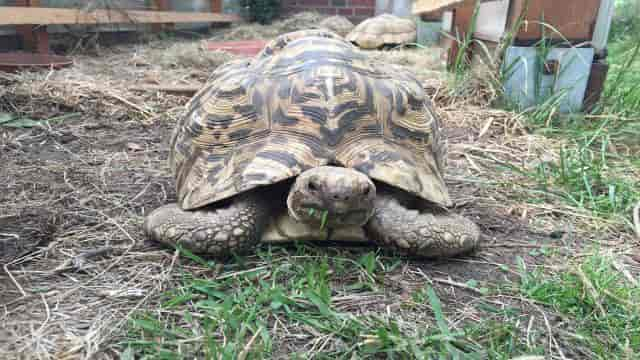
(626, 20)
(599, 300)
(308, 306)
(582, 173)
(588, 176)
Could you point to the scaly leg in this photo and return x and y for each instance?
(220, 231)
(420, 233)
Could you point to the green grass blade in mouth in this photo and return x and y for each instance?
(325, 214)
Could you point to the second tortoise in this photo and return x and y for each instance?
(337, 24)
(383, 30)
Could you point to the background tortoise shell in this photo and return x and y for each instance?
(385, 29)
(310, 98)
(338, 24)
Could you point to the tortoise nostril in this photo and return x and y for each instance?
(313, 186)
(366, 190)
(338, 197)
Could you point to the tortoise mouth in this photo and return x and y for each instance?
(331, 196)
(324, 218)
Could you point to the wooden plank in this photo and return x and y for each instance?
(15, 15)
(575, 20)
(424, 7)
(421, 7)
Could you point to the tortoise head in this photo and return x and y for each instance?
(331, 196)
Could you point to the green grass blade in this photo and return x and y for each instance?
(5, 118)
(325, 214)
(436, 307)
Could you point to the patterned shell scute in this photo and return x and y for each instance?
(309, 99)
(385, 29)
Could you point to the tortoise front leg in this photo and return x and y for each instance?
(219, 231)
(422, 234)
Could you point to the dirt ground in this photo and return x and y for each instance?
(79, 187)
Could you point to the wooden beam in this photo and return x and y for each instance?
(216, 6)
(184, 90)
(162, 5)
(15, 15)
(595, 85)
(34, 38)
(424, 7)
(462, 18)
(33, 3)
(26, 31)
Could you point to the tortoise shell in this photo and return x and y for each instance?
(385, 29)
(338, 24)
(309, 99)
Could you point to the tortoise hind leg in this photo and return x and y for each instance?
(235, 228)
(422, 234)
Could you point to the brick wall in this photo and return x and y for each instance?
(354, 10)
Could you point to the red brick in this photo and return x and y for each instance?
(345, 12)
(313, 2)
(365, 12)
(362, 3)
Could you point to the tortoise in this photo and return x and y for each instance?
(383, 30)
(337, 24)
(310, 133)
